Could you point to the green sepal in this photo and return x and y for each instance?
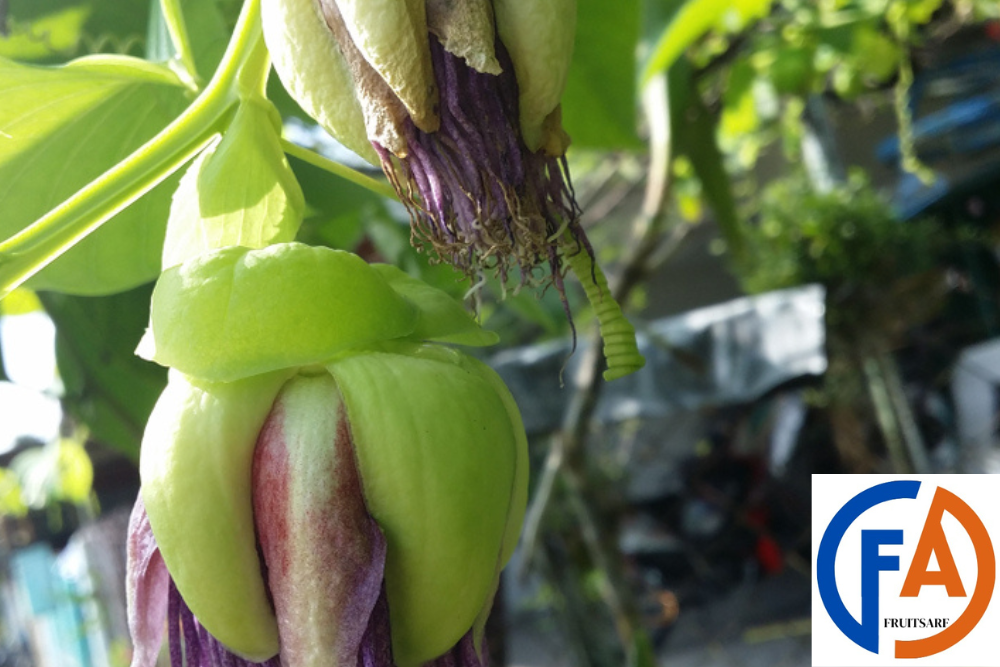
(519, 496)
(212, 209)
(437, 452)
(519, 492)
(440, 318)
(197, 455)
(236, 312)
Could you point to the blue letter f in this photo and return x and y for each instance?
(865, 633)
(871, 564)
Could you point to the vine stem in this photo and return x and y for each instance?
(33, 248)
(173, 16)
(337, 169)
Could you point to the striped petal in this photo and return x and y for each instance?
(323, 553)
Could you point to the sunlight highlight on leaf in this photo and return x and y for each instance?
(19, 302)
(57, 120)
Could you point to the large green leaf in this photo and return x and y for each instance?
(106, 386)
(62, 127)
(599, 105)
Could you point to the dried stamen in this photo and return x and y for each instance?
(192, 646)
(477, 196)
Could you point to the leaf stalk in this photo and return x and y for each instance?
(33, 248)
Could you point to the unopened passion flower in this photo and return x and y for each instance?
(459, 103)
(321, 485)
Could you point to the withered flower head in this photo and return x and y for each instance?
(459, 103)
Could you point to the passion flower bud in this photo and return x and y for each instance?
(466, 126)
(353, 509)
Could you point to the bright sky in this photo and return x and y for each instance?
(28, 405)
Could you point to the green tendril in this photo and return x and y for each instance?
(621, 352)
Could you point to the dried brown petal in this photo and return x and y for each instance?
(384, 113)
(391, 35)
(466, 29)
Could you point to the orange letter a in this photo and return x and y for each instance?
(933, 540)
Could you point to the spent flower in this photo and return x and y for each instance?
(459, 103)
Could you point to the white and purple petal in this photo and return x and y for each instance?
(324, 555)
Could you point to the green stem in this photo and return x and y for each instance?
(173, 16)
(255, 68)
(337, 169)
(885, 416)
(620, 348)
(33, 248)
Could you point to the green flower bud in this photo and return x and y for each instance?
(382, 479)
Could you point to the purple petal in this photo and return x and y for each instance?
(146, 585)
(191, 645)
(376, 645)
(156, 608)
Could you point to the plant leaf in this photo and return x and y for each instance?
(11, 499)
(56, 30)
(207, 32)
(73, 474)
(62, 127)
(212, 209)
(57, 33)
(599, 104)
(694, 18)
(694, 132)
